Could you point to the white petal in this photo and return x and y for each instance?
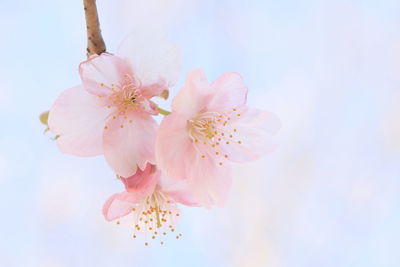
(154, 60)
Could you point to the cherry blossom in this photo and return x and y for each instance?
(111, 112)
(148, 205)
(211, 126)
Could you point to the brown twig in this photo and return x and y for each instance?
(95, 42)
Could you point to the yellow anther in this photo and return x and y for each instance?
(105, 127)
(122, 126)
(220, 164)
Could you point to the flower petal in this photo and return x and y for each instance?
(173, 145)
(194, 96)
(78, 118)
(121, 204)
(102, 72)
(254, 135)
(128, 143)
(227, 91)
(178, 158)
(179, 191)
(209, 181)
(155, 61)
(145, 180)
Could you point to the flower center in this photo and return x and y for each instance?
(155, 216)
(126, 96)
(212, 130)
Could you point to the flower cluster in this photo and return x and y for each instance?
(186, 159)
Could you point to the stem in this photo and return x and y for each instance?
(163, 111)
(95, 42)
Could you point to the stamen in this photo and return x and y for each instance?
(212, 128)
(154, 212)
(126, 96)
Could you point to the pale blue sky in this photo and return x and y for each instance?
(329, 196)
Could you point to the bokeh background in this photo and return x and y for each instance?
(329, 196)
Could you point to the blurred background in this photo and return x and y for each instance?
(329, 196)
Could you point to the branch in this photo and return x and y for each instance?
(95, 42)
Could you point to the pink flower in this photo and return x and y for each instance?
(147, 204)
(210, 126)
(111, 112)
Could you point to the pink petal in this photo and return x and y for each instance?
(128, 145)
(153, 90)
(254, 136)
(78, 117)
(100, 73)
(155, 61)
(228, 91)
(121, 204)
(144, 181)
(173, 145)
(209, 181)
(194, 96)
(180, 192)
(179, 159)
